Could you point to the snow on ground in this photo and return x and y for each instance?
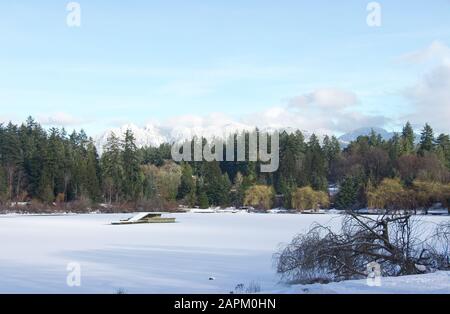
(164, 258)
(435, 283)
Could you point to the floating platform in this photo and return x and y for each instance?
(145, 218)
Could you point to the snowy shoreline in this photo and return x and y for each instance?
(432, 283)
(216, 210)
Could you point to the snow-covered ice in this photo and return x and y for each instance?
(165, 258)
(434, 283)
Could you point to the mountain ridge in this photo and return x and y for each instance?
(154, 135)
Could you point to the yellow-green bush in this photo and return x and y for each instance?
(429, 192)
(259, 196)
(306, 198)
(390, 194)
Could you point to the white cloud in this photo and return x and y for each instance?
(436, 51)
(60, 119)
(323, 111)
(325, 98)
(318, 121)
(430, 96)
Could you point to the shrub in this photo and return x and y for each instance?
(390, 194)
(427, 193)
(259, 196)
(306, 198)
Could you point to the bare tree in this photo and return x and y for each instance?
(395, 241)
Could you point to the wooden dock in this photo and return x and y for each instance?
(145, 218)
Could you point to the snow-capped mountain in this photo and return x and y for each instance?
(154, 135)
(353, 135)
(146, 136)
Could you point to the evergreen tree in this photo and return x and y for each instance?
(112, 169)
(238, 190)
(395, 147)
(287, 188)
(443, 148)
(35, 160)
(132, 181)
(332, 151)
(347, 198)
(12, 158)
(55, 162)
(68, 165)
(216, 185)
(408, 139)
(375, 140)
(292, 157)
(3, 186)
(203, 201)
(426, 139)
(186, 190)
(315, 164)
(93, 175)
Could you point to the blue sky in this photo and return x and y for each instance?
(252, 61)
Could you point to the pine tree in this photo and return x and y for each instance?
(187, 185)
(395, 147)
(426, 139)
(203, 201)
(408, 139)
(238, 190)
(443, 148)
(292, 156)
(287, 187)
(132, 185)
(3, 186)
(93, 174)
(225, 184)
(12, 158)
(68, 168)
(347, 198)
(216, 186)
(332, 151)
(55, 161)
(375, 140)
(315, 164)
(35, 158)
(112, 169)
(79, 164)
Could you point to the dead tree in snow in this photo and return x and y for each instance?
(400, 243)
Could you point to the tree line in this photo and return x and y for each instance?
(45, 167)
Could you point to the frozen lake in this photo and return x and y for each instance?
(146, 258)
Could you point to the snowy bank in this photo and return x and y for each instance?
(434, 283)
